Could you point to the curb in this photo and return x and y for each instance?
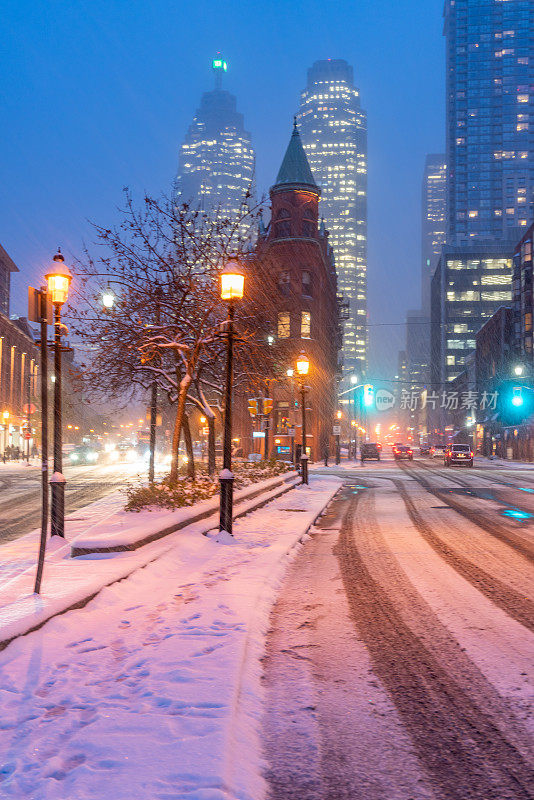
(287, 482)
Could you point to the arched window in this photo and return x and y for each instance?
(309, 224)
(284, 282)
(307, 286)
(282, 225)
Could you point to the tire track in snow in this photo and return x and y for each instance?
(516, 606)
(461, 729)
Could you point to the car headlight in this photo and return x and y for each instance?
(73, 456)
(91, 456)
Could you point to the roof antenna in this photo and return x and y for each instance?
(295, 123)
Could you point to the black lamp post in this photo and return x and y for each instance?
(303, 366)
(58, 279)
(232, 289)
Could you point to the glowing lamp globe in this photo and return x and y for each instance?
(303, 364)
(58, 279)
(108, 299)
(232, 282)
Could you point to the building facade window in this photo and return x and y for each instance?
(282, 225)
(305, 325)
(284, 325)
(307, 287)
(284, 282)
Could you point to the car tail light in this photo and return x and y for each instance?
(471, 455)
(410, 451)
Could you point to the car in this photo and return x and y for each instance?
(402, 451)
(424, 450)
(438, 450)
(368, 451)
(458, 454)
(83, 455)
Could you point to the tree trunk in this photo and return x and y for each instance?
(188, 448)
(211, 445)
(178, 422)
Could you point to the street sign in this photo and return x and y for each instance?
(34, 306)
(337, 430)
(265, 424)
(258, 434)
(291, 431)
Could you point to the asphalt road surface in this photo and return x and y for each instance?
(401, 648)
(20, 492)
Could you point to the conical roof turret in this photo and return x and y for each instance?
(295, 172)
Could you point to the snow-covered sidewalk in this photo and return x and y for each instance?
(153, 689)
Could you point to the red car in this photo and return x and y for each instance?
(400, 451)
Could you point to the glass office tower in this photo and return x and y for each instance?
(433, 223)
(333, 129)
(216, 162)
(490, 126)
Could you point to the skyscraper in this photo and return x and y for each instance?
(490, 147)
(216, 163)
(433, 223)
(333, 128)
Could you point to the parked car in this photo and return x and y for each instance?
(368, 451)
(458, 454)
(402, 452)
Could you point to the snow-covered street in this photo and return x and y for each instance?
(401, 644)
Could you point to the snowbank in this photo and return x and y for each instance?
(127, 530)
(153, 690)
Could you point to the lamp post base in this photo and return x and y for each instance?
(304, 468)
(226, 480)
(57, 506)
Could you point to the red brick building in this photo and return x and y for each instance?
(295, 246)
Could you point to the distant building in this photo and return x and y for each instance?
(417, 349)
(523, 298)
(469, 285)
(489, 119)
(334, 133)
(216, 162)
(433, 222)
(297, 249)
(7, 266)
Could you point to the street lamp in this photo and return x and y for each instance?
(58, 279)
(108, 298)
(519, 370)
(303, 366)
(232, 289)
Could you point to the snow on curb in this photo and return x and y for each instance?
(66, 587)
(154, 688)
(129, 531)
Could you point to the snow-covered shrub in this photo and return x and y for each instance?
(186, 492)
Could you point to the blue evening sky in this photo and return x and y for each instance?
(97, 95)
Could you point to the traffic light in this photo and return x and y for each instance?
(267, 405)
(368, 395)
(253, 407)
(517, 396)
